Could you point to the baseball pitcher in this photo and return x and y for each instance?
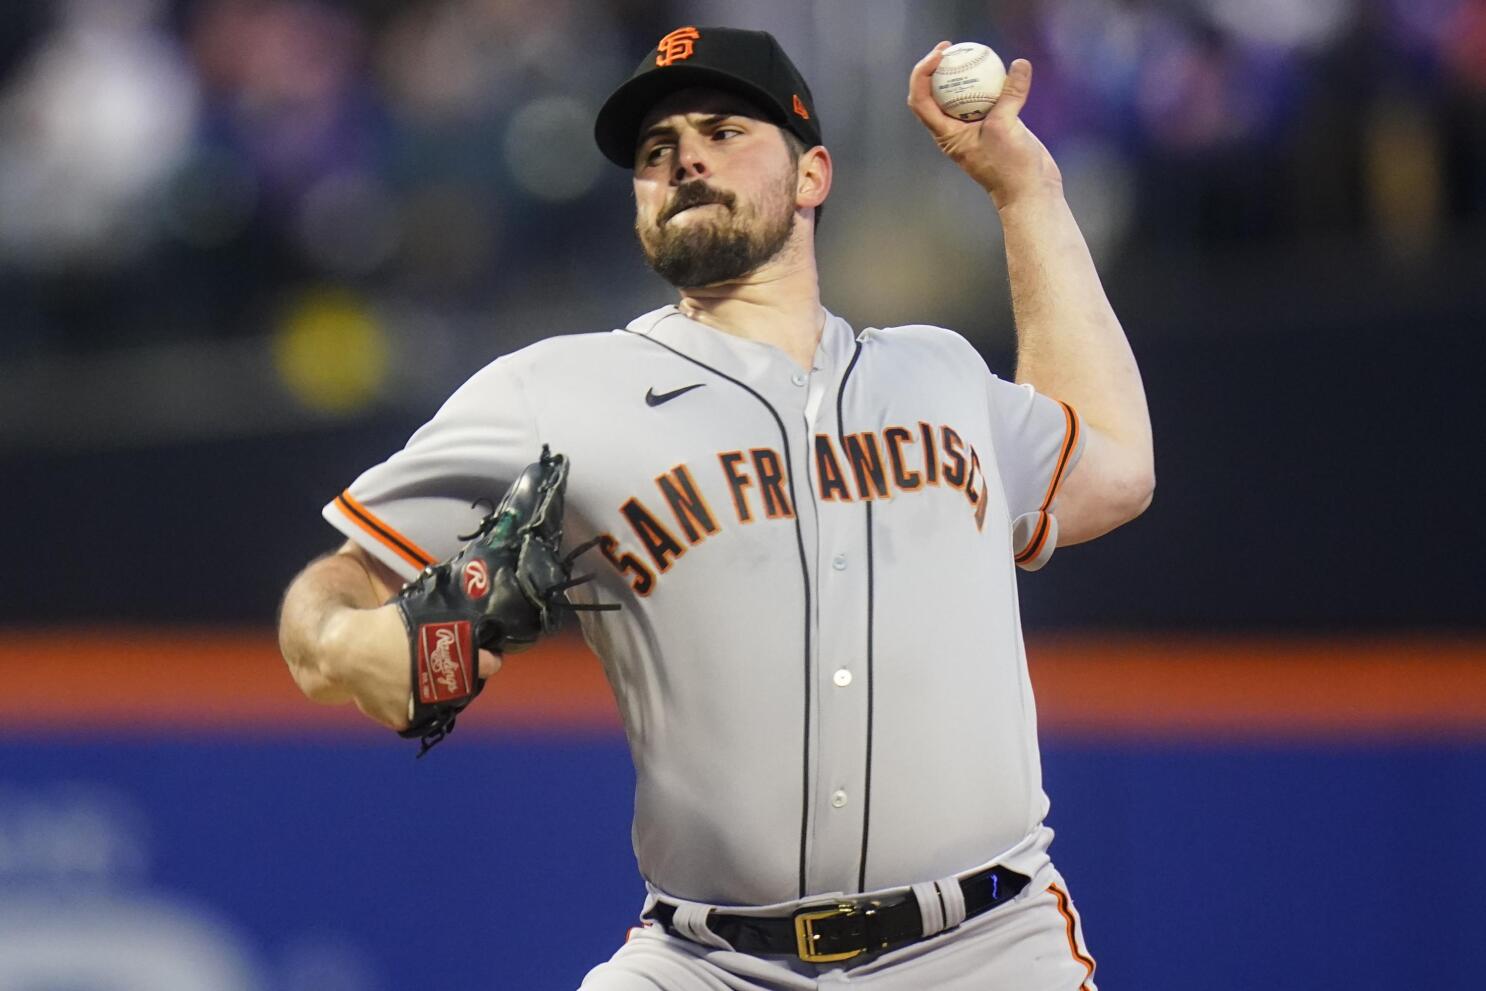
(792, 543)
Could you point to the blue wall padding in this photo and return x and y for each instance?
(497, 864)
(1276, 867)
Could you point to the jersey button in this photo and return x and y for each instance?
(799, 378)
(842, 678)
(838, 800)
(839, 562)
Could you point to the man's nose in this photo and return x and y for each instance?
(689, 163)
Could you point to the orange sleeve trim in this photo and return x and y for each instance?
(1070, 444)
(382, 533)
(1065, 909)
(1034, 545)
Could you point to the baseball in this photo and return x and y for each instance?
(968, 80)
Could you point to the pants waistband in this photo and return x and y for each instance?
(844, 928)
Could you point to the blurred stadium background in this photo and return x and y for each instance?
(246, 246)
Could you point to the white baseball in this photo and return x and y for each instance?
(968, 80)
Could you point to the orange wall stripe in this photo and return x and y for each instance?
(1066, 909)
(1260, 688)
(385, 535)
(142, 680)
(1098, 688)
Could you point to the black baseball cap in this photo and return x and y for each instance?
(749, 63)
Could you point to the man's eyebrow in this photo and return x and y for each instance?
(711, 120)
(653, 130)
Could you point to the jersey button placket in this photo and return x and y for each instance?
(841, 707)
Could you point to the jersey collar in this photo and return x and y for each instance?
(749, 360)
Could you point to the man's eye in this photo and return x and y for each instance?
(654, 154)
(725, 132)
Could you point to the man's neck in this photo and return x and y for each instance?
(779, 304)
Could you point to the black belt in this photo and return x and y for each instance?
(844, 929)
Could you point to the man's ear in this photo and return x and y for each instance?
(814, 177)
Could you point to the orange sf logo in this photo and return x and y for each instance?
(677, 46)
(799, 107)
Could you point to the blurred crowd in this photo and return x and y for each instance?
(166, 169)
(176, 169)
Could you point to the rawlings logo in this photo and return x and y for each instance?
(680, 44)
(476, 579)
(441, 662)
(444, 662)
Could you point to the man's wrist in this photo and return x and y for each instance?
(1042, 194)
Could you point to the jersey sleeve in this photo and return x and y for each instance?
(409, 511)
(1038, 441)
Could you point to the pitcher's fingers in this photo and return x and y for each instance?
(1014, 91)
(921, 92)
(489, 663)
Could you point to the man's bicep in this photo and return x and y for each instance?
(1038, 440)
(1106, 488)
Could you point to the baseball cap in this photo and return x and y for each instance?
(749, 63)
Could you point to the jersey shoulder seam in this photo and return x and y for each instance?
(521, 397)
(918, 332)
(950, 343)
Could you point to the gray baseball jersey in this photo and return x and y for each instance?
(819, 663)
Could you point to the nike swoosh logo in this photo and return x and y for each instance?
(654, 399)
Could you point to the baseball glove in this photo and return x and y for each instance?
(502, 591)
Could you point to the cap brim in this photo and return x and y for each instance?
(618, 122)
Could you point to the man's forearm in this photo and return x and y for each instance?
(327, 624)
(1069, 343)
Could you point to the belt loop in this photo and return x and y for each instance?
(930, 907)
(954, 901)
(691, 922)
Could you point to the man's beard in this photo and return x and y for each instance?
(718, 249)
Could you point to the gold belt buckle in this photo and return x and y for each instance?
(805, 935)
